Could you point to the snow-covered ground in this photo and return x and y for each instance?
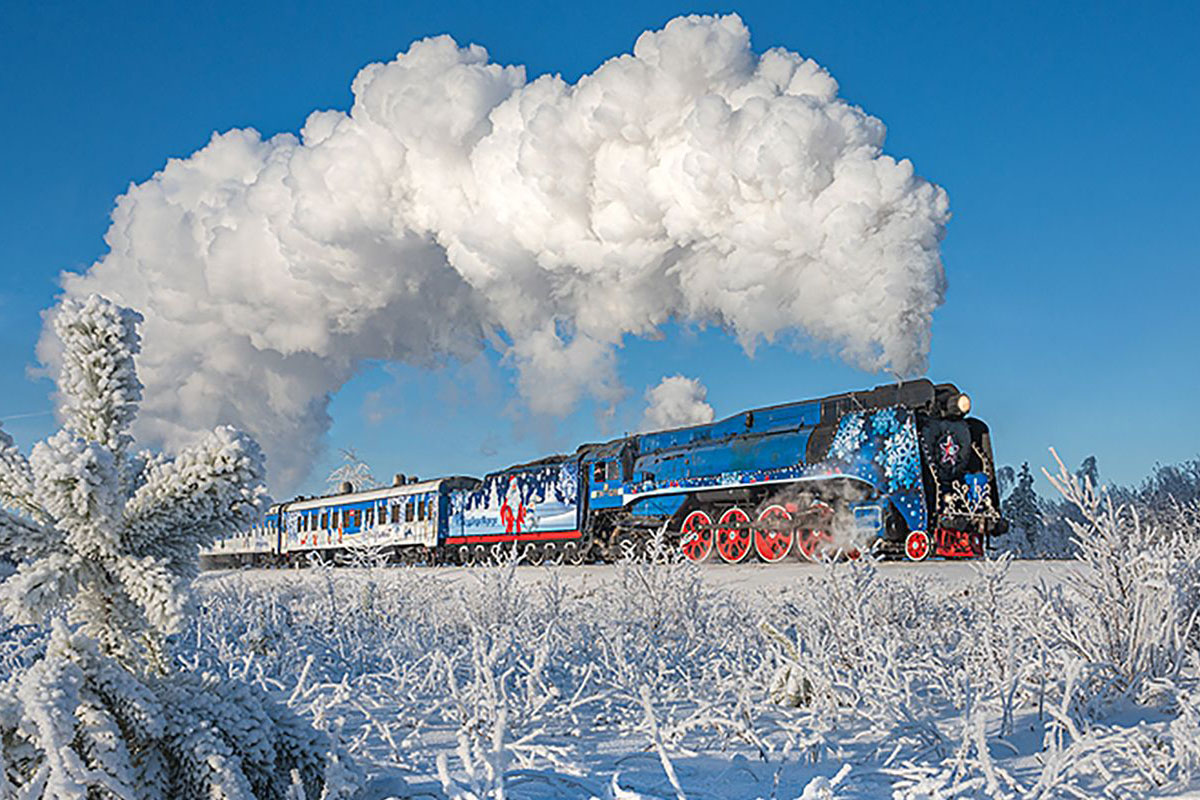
(645, 680)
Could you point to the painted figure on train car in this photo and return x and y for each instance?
(513, 520)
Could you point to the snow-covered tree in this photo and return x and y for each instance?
(1005, 477)
(1021, 506)
(353, 470)
(107, 545)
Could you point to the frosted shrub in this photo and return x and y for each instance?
(107, 546)
(1128, 613)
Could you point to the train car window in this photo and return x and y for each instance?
(324, 519)
(395, 514)
(370, 518)
(598, 473)
(421, 510)
(408, 512)
(612, 471)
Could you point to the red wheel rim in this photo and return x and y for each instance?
(916, 546)
(696, 537)
(814, 543)
(773, 545)
(733, 544)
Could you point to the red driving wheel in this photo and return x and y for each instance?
(733, 543)
(813, 543)
(771, 543)
(696, 536)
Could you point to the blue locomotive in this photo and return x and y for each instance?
(900, 469)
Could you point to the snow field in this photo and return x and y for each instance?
(649, 680)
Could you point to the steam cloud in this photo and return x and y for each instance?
(675, 402)
(457, 205)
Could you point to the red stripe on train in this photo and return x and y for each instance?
(513, 537)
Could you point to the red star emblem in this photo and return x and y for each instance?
(949, 450)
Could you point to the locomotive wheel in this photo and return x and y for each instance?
(625, 545)
(917, 546)
(815, 543)
(733, 543)
(534, 556)
(551, 554)
(479, 555)
(696, 537)
(462, 555)
(810, 543)
(773, 545)
(572, 554)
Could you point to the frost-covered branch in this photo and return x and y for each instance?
(16, 481)
(98, 383)
(216, 485)
(22, 538)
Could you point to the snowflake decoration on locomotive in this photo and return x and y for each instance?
(882, 448)
(849, 438)
(879, 447)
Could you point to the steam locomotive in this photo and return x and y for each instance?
(901, 470)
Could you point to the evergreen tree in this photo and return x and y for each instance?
(107, 544)
(1005, 476)
(1089, 472)
(1021, 506)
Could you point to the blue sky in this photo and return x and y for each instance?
(1065, 135)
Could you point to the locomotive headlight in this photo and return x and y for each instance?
(963, 404)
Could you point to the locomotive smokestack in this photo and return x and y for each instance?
(398, 479)
(347, 487)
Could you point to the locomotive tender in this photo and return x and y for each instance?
(901, 470)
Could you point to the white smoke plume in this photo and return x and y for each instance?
(457, 204)
(675, 402)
